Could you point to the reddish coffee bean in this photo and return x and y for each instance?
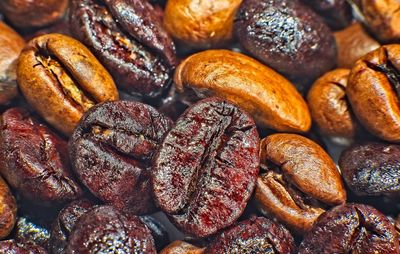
(129, 39)
(256, 235)
(8, 210)
(206, 167)
(351, 228)
(13, 247)
(34, 160)
(105, 230)
(112, 150)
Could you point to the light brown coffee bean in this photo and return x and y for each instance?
(180, 247)
(8, 210)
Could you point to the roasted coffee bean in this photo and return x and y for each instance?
(65, 222)
(201, 24)
(34, 160)
(180, 247)
(300, 181)
(8, 210)
(61, 79)
(372, 169)
(112, 150)
(267, 96)
(28, 231)
(329, 107)
(336, 13)
(13, 247)
(158, 231)
(256, 235)
(351, 228)
(11, 45)
(353, 43)
(206, 167)
(105, 230)
(373, 91)
(129, 39)
(287, 36)
(33, 13)
(381, 17)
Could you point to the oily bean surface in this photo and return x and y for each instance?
(8, 210)
(206, 167)
(34, 160)
(112, 150)
(13, 247)
(129, 39)
(180, 247)
(30, 230)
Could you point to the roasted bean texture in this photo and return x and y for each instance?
(112, 150)
(180, 247)
(34, 160)
(352, 228)
(8, 210)
(61, 79)
(206, 167)
(299, 182)
(129, 39)
(13, 247)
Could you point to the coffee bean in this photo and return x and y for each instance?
(180, 247)
(13, 247)
(28, 231)
(8, 210)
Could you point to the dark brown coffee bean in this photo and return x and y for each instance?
(373, 91)
(28, 231)
(34, 160)
(13, 247)
(33, 13)
(372, 169)
(105, 230)
(256, 235)
(129, 39)
(65, 222)
(8, 210)
(206, 167)
(287, 36)
(112, 150)
(61, 79)
(301, 180)
(351, 228)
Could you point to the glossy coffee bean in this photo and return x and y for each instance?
(112, 150)
(8, 210)
(267, 96)
(61, 79)
(329, 107)
(180, 247)
(373, 91)
(29, 231)
(287, 36)
(256, 235)
(206, 167)
(13, 247)
(300, 181)
(351, 228)
(33, 13)
(34, 160)
(372, 169)
(129, 39)
(201, 24)
(353, 42)
(105, 230)
(11, 45)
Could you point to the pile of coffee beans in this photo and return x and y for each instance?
(199, 127)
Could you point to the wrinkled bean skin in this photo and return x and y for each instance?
(267, 96)
(33, 13)
(61, 79)
(105, 230)
(285, 34)
(129, 39)
(336, 13)
(201, 24)
(373, 91)
(256, 235)
(329, 107)
(112, 150)
(13, 247)
(8, 210)
(353, 42)
(372, 169)
(34, 160)
(11, 45)
(65, 222)
(158, 231)
(300, 181)
(28, 231)
(180, 247)
(206, 167)
(351, 228)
